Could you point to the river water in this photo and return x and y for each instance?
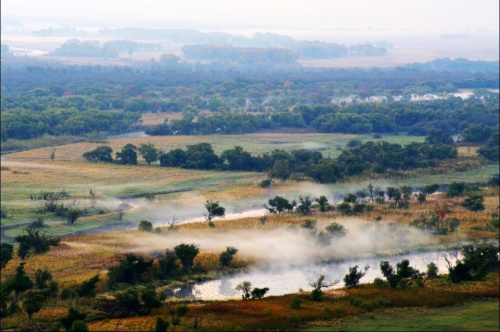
(290, 279)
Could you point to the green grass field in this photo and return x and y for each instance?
(472, 316)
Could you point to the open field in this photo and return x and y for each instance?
(328, 144)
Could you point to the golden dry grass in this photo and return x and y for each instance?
(254, 143)
(153, 119)
(33, 176)
(70, 263)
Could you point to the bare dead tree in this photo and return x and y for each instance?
(171, 224)
(263, 219)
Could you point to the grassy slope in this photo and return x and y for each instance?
(472, 316)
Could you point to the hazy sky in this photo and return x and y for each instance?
(452, 16)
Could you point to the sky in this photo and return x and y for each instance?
(444, 16)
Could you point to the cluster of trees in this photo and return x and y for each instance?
(25, 124)
(372, 157)
(173, 264)
(20, 292)
(362, 118)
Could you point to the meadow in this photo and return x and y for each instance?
(182, 192)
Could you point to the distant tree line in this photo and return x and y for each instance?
(93, 48)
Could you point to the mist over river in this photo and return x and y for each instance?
(290, 279)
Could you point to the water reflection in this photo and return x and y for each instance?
(285, 280)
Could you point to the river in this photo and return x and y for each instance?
(290, 279)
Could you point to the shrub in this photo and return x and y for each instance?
(344, 208)
(145, 226)
(72, 316)
(295, 303)
(226, 257)
(309, 224)
(67, 293)
(336, 230)
(161, 325)
(379, 282)
(139, 302)
(87, 288)
(73, 214)
(79, 326)
(265, 183)
(432, 270)
(474, 203)
(454, 223)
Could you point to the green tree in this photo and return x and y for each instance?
(130, 270)
(33, 301)
(473, 203)
(7, 250)
(281, 170)
(20, 282)
(139, 302)
(214, 210)
(79, 326)
(323, 204)
(455, 189)
(352, 279)
(305, 205)
(145, 226)
(161, 325)
(149, 152)
(87, 288)
(279, 204)
(127, 156)
(186, 254)
(226, 257)
(168, 264)
(201, 156)
(101, 153)
(402, 277)
(258, 293)
(72, 316)
(432, 270)
(42, 277)
(173, 158)
(34, 242)
(435, 136)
